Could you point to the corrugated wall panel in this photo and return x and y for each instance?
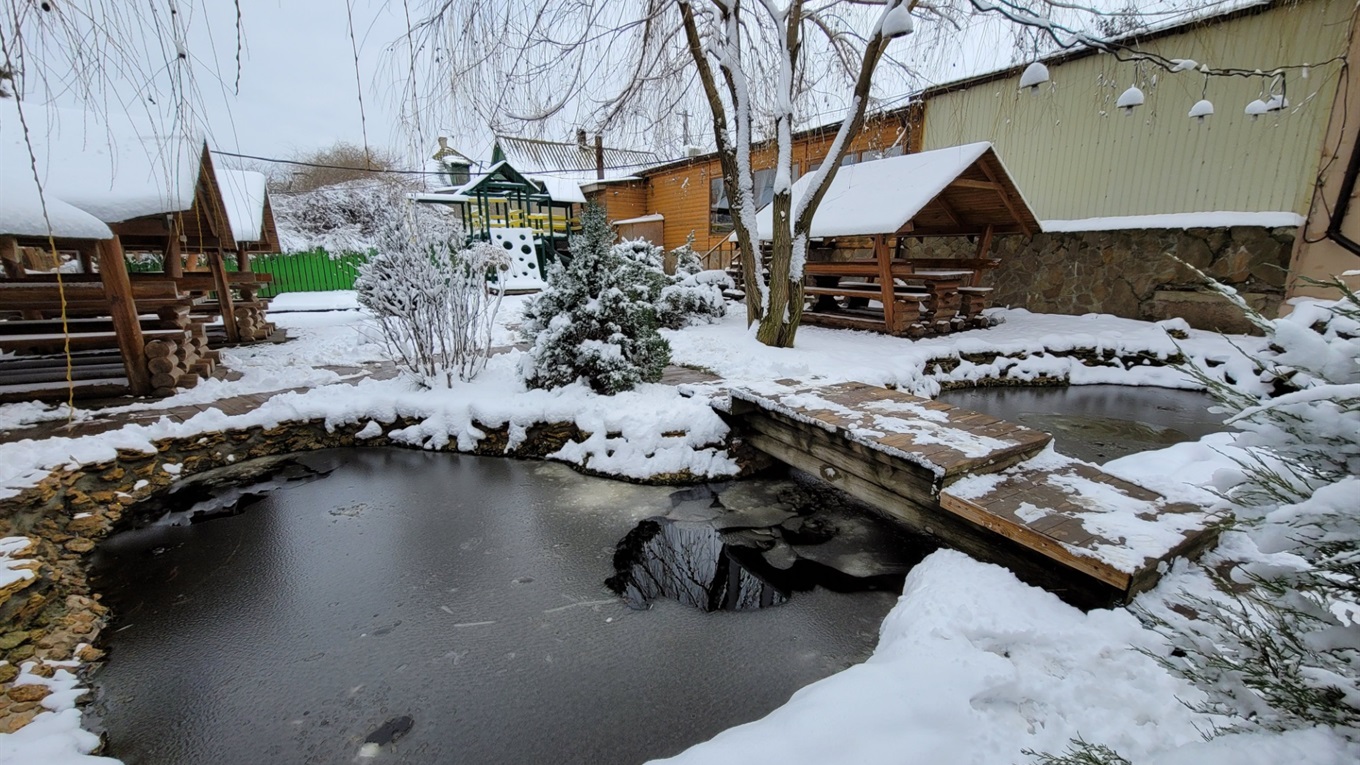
(1075, 156)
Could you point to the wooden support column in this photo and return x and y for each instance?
(984, 247)
(87, 252)
(10, 257)
(889, 294)
(123, 310)
(219, 273)
(243, 260)
(171, 263)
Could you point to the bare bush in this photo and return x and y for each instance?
(431, 300)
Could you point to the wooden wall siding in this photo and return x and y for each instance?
(623, 200)
(1074, 155)
(681, 192)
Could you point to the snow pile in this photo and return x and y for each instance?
(650, 431)
(1024, 346)
(973, 666)
(334, 300)
(54, 737)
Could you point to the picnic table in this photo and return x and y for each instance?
(917, 296)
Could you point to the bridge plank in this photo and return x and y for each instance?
(954, 475)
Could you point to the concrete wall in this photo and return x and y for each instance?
(1075, 156)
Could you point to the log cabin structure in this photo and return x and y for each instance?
(957, 192)
(76, 323)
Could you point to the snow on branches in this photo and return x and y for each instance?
(1276, 645)
(350, 217)
(431, 300)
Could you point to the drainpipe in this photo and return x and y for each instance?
(599, 157)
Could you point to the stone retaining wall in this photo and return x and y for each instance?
(1128, 272)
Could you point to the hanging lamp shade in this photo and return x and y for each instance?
(1202, 108)
(1130, 99)
(1256, 108)
(1035, 74)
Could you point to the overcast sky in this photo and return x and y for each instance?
(298, 88)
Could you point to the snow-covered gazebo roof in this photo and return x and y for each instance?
(111, 169)
(245, 195)
(955, 191)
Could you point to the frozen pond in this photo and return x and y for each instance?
(1098, 423)
(466, 593)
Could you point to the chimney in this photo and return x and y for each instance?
(581, 137)
(599, 156)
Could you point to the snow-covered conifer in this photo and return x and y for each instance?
(596, 322)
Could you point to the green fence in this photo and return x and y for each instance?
(308, 271)
(315, 271)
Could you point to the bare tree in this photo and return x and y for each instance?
(763, 68)
(340, 162)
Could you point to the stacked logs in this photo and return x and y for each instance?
(179, 364)
(251, 322)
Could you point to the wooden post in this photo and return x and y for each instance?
(9, 255)
(984, 246)
(87, 252)
(243, 260)
(885, 276)
(171, 263)
(219, 273)
(123, 310)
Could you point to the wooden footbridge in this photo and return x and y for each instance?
(987, 487)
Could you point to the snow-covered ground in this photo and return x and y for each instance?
(972, 665)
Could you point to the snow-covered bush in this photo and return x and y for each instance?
(596, 321)
(431, 300)
(1276, 645)
(351, 216)
(691, 296)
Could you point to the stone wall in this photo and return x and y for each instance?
(1128, 272)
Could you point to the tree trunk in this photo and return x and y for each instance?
(779, 325)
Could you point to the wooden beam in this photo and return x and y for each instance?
(969, 183)
(123, 311)
(1005, 198)
(243, 259)
(223, 290)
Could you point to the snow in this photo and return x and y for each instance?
(333, 300)
(22, 213)
(560, 189)
(653, 218)
(972, 665)
(878, 197)
(104, 164)
(898, 22)
(243, 194)
(1222, 219)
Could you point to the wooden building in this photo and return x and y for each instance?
(81, 324)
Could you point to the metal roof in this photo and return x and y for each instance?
(569, 160)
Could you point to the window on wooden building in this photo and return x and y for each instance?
(719, 211)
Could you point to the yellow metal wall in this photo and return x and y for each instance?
(1074, 155)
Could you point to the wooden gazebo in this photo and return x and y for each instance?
(886, 205)
(77, 319)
